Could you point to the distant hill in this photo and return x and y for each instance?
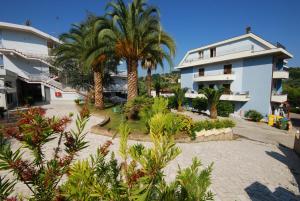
(292, 87)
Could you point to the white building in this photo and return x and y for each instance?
(25, 67)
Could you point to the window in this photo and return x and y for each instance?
(200, 86)
(212, 86)
(9, 98)
(200, 54)
(226, 88)
(228, 69)
(213, 52)
(50, 44)
(201, 72)
(8, 84)
(1, 62)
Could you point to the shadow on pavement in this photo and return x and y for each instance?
(259, 192)
(290, 159)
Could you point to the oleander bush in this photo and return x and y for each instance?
(133, 107)
(200, 104)
(253, 115)
(39, 173)
(225, 108)
(139, 175)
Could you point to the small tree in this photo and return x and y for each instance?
(213, 98)
(179, 94)
(41, 175)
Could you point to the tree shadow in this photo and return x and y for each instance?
(259, 192)
(290, 159)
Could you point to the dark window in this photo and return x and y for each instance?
(8, 84)
(200, 54)
(50, 44)
(212, 52)
(1, 60)
(9, 98)
(212, 86)
(201, 72)
(228, 69)
(200, 86)
(226, 88)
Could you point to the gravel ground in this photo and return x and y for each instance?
(243, 169)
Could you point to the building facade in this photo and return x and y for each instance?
(249, 68)
(27, 73)
(25, 67)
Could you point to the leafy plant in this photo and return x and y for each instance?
(213, 98)
(200, 104)
(6, 187)
(133, 107)
(179, 94)
(225, 108)
(34, 130)
(139, 175)
(253, 115)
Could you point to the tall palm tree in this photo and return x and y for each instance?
(134, 33)
(213, 98)
(76, 47)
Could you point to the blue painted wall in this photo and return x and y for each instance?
(257, 80)
(187, 78)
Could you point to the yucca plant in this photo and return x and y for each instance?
(213, 97)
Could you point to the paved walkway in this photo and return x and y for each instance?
(243, 169)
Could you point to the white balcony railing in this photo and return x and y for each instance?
(280, 74)
(217, 77)
(279, 98)
(233, 96)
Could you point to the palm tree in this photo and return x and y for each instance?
(179, 94)
(158, 84)
(134, 34)
(213, 98)
(76, 47)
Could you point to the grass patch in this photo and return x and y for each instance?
(137, 127)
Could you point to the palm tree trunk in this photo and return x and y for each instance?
(213, 111)
(132, 66)
(98, 85)
(149, 80)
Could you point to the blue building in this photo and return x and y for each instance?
(249, 68)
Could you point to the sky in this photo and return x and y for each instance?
(192, 23)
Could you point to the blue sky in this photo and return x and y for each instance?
(192, 23)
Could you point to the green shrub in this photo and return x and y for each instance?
(160, 105)
(199, 104)
(172, 102)
(133, 107)
(102, 177)
(253, 115)
(211, 124)
(225, 108)
(77, 101)
(295, 110)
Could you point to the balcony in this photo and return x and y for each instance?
(279, 98)
(217, 77)
(280, 74)
(233, 96)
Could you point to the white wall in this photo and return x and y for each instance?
(230, 48)
(65, 95)
(24, 42)
(22, 67)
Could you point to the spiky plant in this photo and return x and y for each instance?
(179, 94)
(135, 34)
(213, 97)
